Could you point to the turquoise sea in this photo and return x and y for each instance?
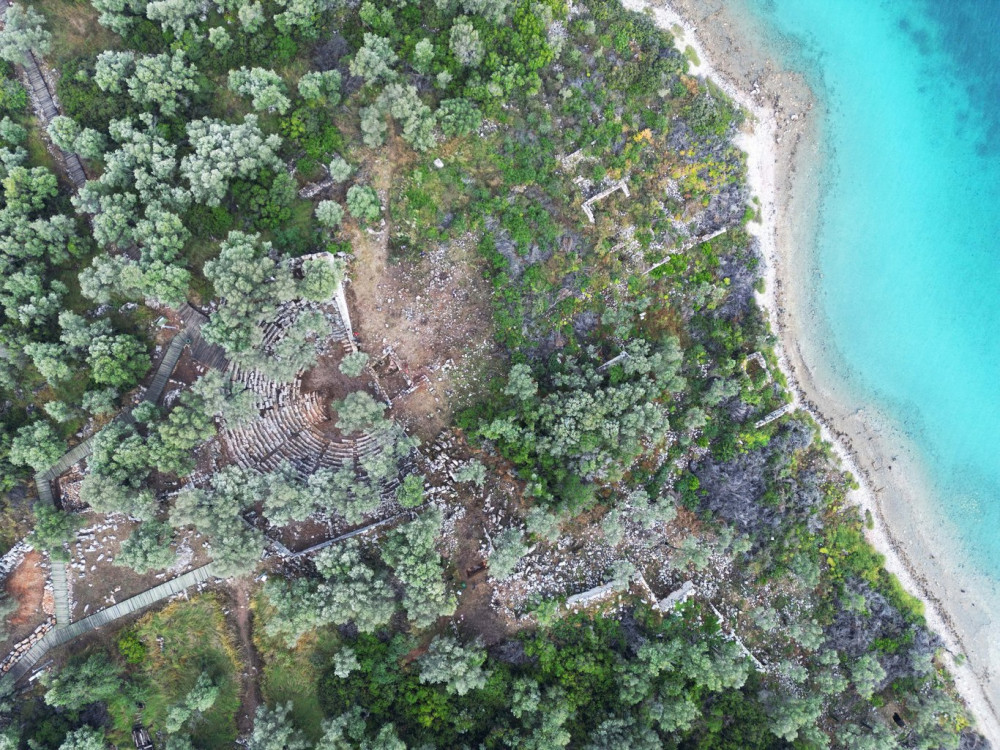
(907, 257)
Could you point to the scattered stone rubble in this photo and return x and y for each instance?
(22, 646)
(13, 558)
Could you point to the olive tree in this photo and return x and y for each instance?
(352, 592)
(373, 126)
(273, 730)
(79, 685)
(423, 55)
(867, 674)
(321, 87)
(508, 549)
(465, 43)
(147, 548)
(222, 152)
(36, 445)
(414, 117)
(359, 412)
(163, 80)
(216, 512)
(219, 38)
(374, 60)
(329, 214)
(471, 471)
(339, 169)
(67, 134)
(410, 551)
(84, 738)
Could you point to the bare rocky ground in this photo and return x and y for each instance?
(96, 582)
(433, 317)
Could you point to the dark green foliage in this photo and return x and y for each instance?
(710, 115)
(267, 200)
(13, 97)
(212, 222)
(82, 100)
(576, 675)
(312, 131)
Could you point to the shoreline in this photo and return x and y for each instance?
(778, 144)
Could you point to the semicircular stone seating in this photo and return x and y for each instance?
(289, 425)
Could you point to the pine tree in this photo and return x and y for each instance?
(22, 33)
(273, 730)
(79, 685)
(458, 667)
(147, 548)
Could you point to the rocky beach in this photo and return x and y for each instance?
(783, 140)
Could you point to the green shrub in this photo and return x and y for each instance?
(131, 648)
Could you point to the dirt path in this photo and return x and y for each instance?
(250, 696)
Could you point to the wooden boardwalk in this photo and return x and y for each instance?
(61, 635)
(166, 367)
(45, 107)
(44, 479)
(210, 355)
(60, 594)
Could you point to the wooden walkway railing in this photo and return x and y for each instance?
(45, 107)
(58, 637)
(44, 479)
(60, 594)
(166, 367)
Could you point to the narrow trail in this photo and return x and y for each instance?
(65, 629)
(44, 103)
(250, 696)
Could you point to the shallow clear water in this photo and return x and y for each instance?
(908, 247)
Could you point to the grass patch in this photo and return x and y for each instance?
(75, 31)
(38, 154)
(182, 641)
(294, 674)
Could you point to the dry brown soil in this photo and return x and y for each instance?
(250, 696)
(26, 585)
(434, 315)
